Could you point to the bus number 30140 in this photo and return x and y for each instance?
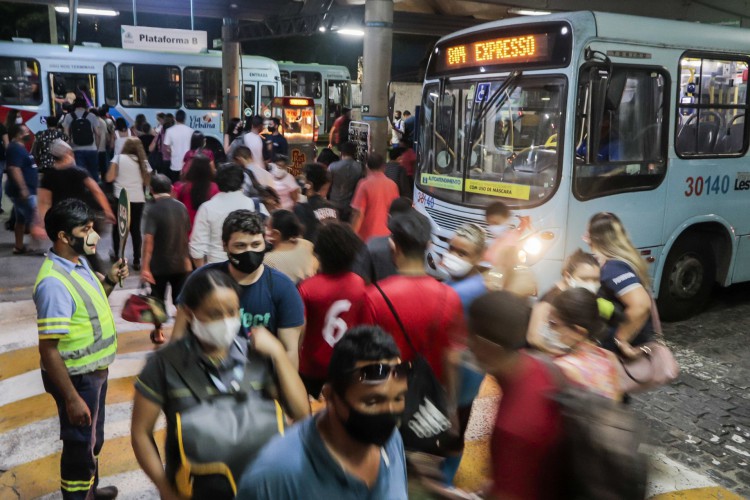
(698, 186)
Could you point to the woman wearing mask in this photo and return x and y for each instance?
(625, 282)
(122, 134)
(130, 171)
(284, 183)
(206, 383)
(461, 262)
(197, 147)
(291, 254)
(570, 335)
(199, 186)
(580, 270)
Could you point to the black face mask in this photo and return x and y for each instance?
(371, 428)
(272, 129)
(246, 262)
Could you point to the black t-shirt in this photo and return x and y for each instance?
(146, 140)
(313, 213)
(66, 183)
(167, 220)
(618, 278)
(279, 144)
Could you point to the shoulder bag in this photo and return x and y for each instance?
(426, 425)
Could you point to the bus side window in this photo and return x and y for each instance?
(150, 86)
(19, 82)
(203, 88)
(712, 103)
(630, 143)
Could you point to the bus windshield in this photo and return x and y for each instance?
(476, 146)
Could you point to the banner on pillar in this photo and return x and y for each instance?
(164, 40)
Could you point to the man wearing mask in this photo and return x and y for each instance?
(351, 450)
(268, 297)
(253, 140)
(77, 343)
(276, 144)
(23, 179)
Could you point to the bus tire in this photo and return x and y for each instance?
(687, 279)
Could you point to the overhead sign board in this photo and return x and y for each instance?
(163, 40)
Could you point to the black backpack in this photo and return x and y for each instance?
(601, 444)
(81, 130)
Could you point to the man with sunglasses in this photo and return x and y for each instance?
(352, 450)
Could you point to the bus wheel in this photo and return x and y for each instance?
(687, 279)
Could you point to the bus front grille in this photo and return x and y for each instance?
(451, 221)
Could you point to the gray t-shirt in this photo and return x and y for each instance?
(168, 221)
(293, 465)
(345, 174)
(375, 261)
(68, 121)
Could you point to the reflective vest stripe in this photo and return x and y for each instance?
(44, 321)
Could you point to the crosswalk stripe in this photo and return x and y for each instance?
(33, 409)
(20, 361)
(41, 477)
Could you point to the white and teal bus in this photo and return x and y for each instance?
(36, 78)
(328, 85)
(566, 115)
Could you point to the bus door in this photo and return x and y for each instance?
(619, 154)
(67, 87)
(338, 97)
(248, 100)
(266, 99)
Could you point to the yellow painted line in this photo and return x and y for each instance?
(33, 409)
(24, 360)
(711, 493)
(41, 477)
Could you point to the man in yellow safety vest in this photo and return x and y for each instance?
(77, 343)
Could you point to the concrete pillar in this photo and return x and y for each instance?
(230, 70)
(377, 70)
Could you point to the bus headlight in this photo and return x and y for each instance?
(534, 246)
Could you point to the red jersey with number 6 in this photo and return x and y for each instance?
(333, 304)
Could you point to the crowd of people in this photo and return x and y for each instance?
(291, 290)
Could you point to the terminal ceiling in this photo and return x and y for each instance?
(269, 18)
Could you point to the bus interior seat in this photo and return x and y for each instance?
(732, 141)
(698, 137)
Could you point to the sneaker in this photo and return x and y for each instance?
(136, 265)
(106, 493)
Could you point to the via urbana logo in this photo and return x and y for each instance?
(428, 421)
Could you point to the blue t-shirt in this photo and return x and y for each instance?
(294, 466)
(469, 289)
(273, 301)
(17, 156)
(618, 278)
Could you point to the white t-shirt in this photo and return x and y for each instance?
(120, 140)
(178, 138)
(129, 178)
(254, 143)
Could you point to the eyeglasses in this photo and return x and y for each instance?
(378, 373)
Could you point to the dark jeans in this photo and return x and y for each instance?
(159, 290)
(136, 213)
(79, 463)
(103, 160)
(88, 159)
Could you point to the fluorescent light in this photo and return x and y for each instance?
(88, 11)
(351, 32)
(529, 12)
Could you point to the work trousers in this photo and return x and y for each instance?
(79, 463)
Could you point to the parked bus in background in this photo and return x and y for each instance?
(329, 86)
(36, 79)
(566, 115)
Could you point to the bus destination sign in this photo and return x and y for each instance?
(527, 48)
(547, 45)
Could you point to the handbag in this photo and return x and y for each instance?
(426, 424)
(141, 307)
(657, 366)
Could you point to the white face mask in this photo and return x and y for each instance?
(591, 286)
(456, 267)
(552, 340)
(499, 230)
(219, 333)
